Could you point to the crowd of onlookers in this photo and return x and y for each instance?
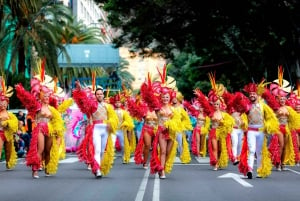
(22, 136)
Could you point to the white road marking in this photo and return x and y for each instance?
(294, 171)
(69, 160)
(142, 188)
(156, 188)
(237, 178)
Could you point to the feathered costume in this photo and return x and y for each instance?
(168, 124)
(139, 110)
(203, 123)
(270, 126)
(8, 127)
(185, 156)
(125, 128)
(54, 129)
(88, 105)
(289, 121)
(222, 124)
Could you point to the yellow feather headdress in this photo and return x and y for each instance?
(6, 91)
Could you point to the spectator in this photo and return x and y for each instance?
(19, 146)
(21, 116)
(23, 135)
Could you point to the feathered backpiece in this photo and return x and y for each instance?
(204, 102)
(280, 87)
(240, 103)
(6, 91)
(163, 75)
(294, 97)
(41, 83)
(118, 97)
(93, 80)
(217, 91)
(149, 95)
(137, 107)
(191, 108)
(228, 98)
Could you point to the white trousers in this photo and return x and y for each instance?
(255, 143)
(100, 137)
(120, 136)
(236, 141)
(179, 140)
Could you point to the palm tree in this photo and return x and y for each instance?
(37, 24)
(76, 32)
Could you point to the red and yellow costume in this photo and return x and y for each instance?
(8, 127)
(99, 114)
(49, 124)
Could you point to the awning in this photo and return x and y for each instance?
(90, 55)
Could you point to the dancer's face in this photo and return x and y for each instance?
(165, 98)
(253, 97)
(281, 100)
(45, 98)
(216, 105)
(99, 95)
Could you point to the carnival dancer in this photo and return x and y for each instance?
(261, 121)
(8, 127)
(289, 120)
(140, 111)
(97, 148)
(201, 129)
(240, 126)
(183, 146)
(294, 101)
(164, 144)
(48, 130)
(124, 131)
(219, 141)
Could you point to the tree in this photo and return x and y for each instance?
(240, 39)
(37, 24)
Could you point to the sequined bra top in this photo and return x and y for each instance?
(216, 119)
(164, 114)
(44, 115)
(200, 120)
(282, 115)
(151, 119)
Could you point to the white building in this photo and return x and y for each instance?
(91, 14)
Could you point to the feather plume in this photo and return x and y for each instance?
(280, 75)
(93, 80)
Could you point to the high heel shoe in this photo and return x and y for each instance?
(145, 166)
(35, 175)
(162, 175)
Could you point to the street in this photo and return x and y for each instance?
(129, 182)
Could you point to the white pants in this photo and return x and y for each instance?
(179, 140)
(120, 136)
(100, 137)
(255, 143)
(236, 141)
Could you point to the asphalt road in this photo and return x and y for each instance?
(129, 182)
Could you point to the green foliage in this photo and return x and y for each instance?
(241, 40)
